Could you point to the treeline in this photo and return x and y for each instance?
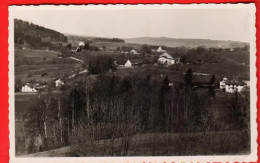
(100, 64)
(199, 54)
(37, 36)
(110, 107)
(108, 40)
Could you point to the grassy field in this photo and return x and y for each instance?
(114, 45)
(29, 56)
(162, 144)
(220, 70)
(172, 144)
(23, 101)
(31, 64)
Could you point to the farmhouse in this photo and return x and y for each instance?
(166, 59)
(81, 44)
(128, 63)
(28, 88)
(134, 52)
(59, 83)
(232, 86)
(160, 50)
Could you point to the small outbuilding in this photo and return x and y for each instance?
(134, 52)
(128, 63)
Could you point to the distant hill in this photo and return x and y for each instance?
(36, 36)
(173, 42)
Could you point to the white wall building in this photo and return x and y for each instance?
(222, 83)
(232, 86)
(28, 88)
(81, 44)
(160, 50)
(166, 58)
(134, 52)
(128, 63)
(59, 83)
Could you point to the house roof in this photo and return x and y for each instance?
(166, 55)
(128, 63)
(133, 51)
(201, 78)
(235, 82)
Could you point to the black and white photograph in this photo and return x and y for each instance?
(132, 82)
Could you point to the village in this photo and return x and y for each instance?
(229, 85)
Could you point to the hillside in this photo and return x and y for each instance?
(173, 42)
(35, 36)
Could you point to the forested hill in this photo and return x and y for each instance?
(36, 36)
(174, 42)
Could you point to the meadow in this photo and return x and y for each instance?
(32, 64)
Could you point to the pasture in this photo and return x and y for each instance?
(115, 45)
(23, 101)
(161, 144)
(32, 64)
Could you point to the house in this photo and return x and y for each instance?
(222, 83)
(81, 44)
(166, 58)
(59, 83)
(28, 88)
(160, 50)
(134, 52)
(232, 86)
(128, 63)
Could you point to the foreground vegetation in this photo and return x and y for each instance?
(114, 110)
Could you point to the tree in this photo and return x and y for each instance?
(162, 105)
(69, 46)
(145, 49)
(100, 64)
(65, 52)
(212, 80)
(183, 59)
(18, 85)
(201, 49)
(87, 46)
(188, 77)
(118, 49)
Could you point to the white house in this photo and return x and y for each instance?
(128, 63)
(232, 86)
(166, 58)
(59, 83)
(133, 52)
(28, 88)
(222, 83)
(81, 44)
(160, 50)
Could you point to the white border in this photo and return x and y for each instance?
(226, 158)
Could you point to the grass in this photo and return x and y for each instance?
(114, 45)
(23, 101)
(163, 144)
(222, 69)
(31, 64)
(35, 71)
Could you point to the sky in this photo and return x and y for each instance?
(215, 24)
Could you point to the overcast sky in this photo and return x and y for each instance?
(215, 24)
